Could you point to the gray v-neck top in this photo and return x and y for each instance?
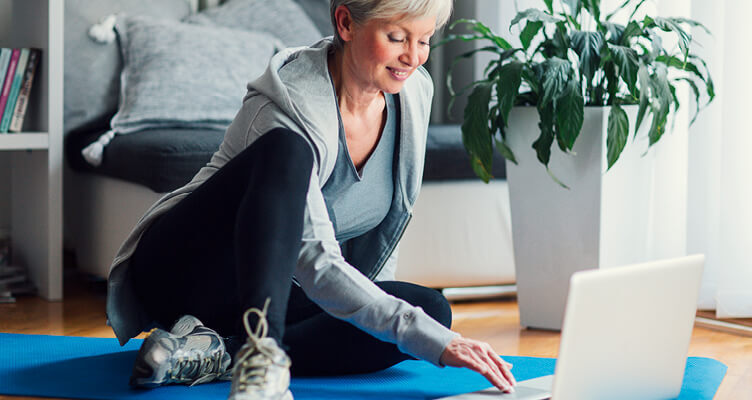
(358, 201)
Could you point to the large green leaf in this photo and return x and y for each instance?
(692, 68)
(505, 151)
(661, 105)
(475, 133)
(465, 37)
(637, 8)
(549, 5)
(484, 31)
(631, 30)
(561, 40)
(493, 119)
(570, 114)
(691, 23)
(696, 92)
(643, 77)
(542, 145)
(556, 74)
(658, 126)
(508, 85)
(710, 87)
(531, 29)
(503, 55)
(532, 74)
(575, 6)
(626, 60)
(588, 45)
(657, 45)
(534, 14)
(617, 133)
(594, 7)
(615, 32)
(621, 7)
(674, 25)
(674, 62)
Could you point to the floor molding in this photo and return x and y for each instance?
(724, 326)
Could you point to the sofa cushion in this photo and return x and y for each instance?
(165, 159)
(446, 158)
(160, 159)
(284, 19)
(318, 12)
(92, 70)
(185, 75)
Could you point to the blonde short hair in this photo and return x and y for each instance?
(364, 10)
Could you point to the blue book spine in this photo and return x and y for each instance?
(5, 54)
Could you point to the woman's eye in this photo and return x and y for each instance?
(396, 40)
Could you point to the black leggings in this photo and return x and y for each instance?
(234, 241)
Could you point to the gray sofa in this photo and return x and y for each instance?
(103, 202)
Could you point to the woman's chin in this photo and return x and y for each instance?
(393, 87)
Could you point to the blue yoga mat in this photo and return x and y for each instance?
(96, 368)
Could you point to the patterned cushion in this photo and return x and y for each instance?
(284, 19)
(92, 70)
(318, 11)
(185, 75)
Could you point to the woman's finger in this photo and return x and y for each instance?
(487, 368)
(479, 357)
(496, 372)
(504, 367)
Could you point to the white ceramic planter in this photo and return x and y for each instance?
(635, 212)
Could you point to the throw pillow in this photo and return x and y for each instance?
(281, 18)
(92, 70)
(318, 11)
(185, 75)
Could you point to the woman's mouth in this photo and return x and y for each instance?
(399, 74)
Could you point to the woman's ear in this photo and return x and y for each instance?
(344, 22)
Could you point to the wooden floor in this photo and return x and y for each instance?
(497, 322)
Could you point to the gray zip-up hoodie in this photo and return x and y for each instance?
(296, 92)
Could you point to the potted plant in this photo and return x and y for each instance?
(570, 68)
(585, 84)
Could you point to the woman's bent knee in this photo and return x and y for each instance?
(292, 146)
(430, 300)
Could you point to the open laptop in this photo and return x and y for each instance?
(626, 335)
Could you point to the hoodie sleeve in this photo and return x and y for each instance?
(346, 294)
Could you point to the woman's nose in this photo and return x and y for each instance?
(411, 56)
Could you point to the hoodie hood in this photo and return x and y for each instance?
(298, 82)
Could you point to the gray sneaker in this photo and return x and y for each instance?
(189, 354)
(262, 369)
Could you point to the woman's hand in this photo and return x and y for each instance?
(481, 358)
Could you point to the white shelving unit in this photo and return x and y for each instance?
(37, 153)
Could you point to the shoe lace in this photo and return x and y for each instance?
(251, 365)
(198, 369)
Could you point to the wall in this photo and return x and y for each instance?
(720, 192)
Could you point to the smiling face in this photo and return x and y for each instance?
(381, 54)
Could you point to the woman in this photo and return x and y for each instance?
(294, 218)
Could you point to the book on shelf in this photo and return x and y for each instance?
(5, 54)
(22, 101)
(15, 87)
(10, 73)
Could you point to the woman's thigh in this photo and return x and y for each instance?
(187, 262)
